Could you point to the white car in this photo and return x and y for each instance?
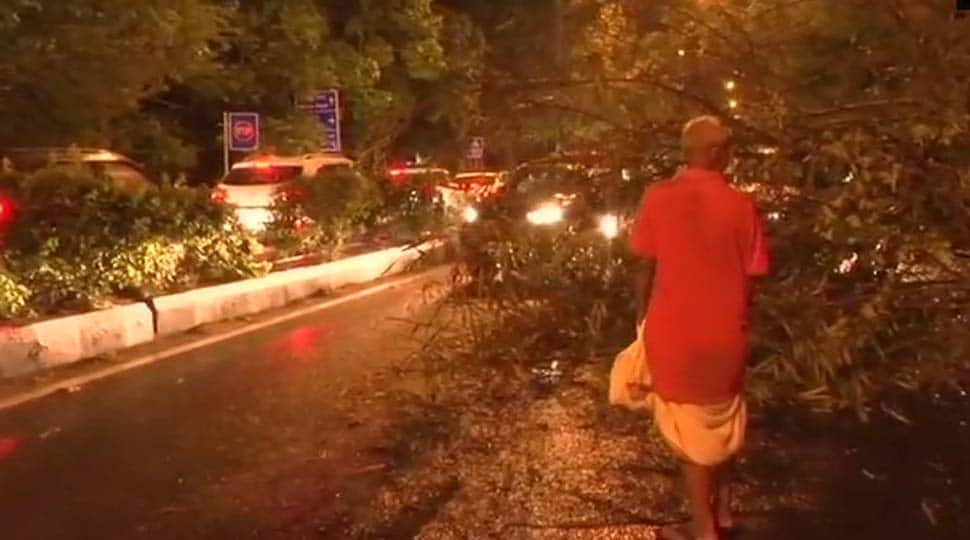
(253, 185)
(99, 162)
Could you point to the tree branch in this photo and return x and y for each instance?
(581, 112)
(705, 103)
(862, 106)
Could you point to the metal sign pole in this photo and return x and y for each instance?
(336, 110)
(225, 144)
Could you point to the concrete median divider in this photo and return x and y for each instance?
(33, 347)
(25, 349)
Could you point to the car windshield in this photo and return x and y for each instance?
(33, 160)
(548, 181)
(475, 179)
(535, 184)
(418, 178)
(262, 175)
(472, 182)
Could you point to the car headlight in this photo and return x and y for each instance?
(469, 214)
(546, 214)
(609, 226)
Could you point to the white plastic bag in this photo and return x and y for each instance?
(630, 383)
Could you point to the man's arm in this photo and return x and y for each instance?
(759, 257)
(643, 244)
(643, 285)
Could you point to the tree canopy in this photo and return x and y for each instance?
(153, 78)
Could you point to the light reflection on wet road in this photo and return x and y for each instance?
(100, 462)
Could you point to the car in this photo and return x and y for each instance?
(414, 190)
(421, 180)
(98, 161)
(550, 195)
(253, 185)
(467, 189)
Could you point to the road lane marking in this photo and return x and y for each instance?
(82, 380)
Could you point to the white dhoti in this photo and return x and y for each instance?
(702, 434)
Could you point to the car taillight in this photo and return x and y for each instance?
(6, 210)
(218, 196)
(290, 194)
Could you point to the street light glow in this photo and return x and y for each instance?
(681, 52)
(733, 104)
(729, 85)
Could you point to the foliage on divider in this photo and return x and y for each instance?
(316, 213)
(413, 209)
(14, 297)
(77, 241)
(324, 212)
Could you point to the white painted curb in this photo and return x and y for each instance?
(46, 344)
(38, 346)
(183, 311)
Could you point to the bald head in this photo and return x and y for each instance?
(707, 143)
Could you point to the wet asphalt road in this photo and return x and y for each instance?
(112, 459)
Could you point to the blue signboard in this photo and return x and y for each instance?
(329, 120)
(326, 106)
(326, 100)
(243, 131)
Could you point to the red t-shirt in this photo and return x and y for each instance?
(707, 240)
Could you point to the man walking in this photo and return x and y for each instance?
(701, 241)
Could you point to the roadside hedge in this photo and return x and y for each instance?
(324, 212)
(78, 242)
(412, 210)
(14, 297)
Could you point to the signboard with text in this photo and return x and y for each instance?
(326, 107)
